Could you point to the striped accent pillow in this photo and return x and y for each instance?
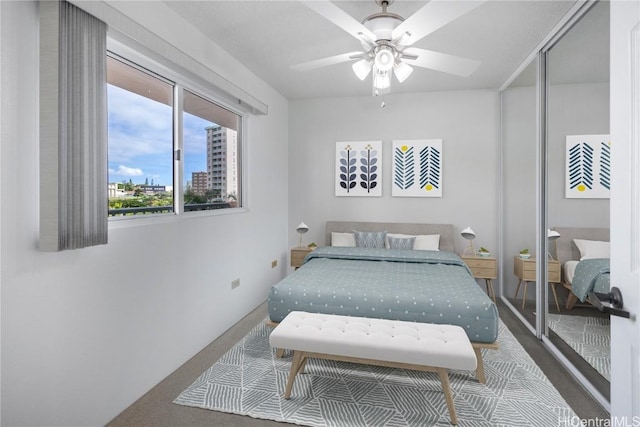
(370, 239)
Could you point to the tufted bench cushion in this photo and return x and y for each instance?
(409, 345)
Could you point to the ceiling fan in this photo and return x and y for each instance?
(387, 38)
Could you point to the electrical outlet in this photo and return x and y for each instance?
(274, 263)
(235, 283)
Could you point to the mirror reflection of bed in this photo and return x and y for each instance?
(580, 331)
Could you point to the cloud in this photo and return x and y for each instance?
(138, 126)
(126, 171)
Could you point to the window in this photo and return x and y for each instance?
(146, 147)
(210, 135)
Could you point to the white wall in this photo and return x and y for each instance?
(467, 122)
(86, 332)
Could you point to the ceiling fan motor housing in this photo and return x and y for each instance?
(382, 23)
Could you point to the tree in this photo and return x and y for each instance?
(191, 198)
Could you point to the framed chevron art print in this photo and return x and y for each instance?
(417, 168)
(359, 168)
(588, 167)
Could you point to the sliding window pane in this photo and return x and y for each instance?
(140, 141)
(211, 155)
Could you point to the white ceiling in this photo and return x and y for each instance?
(270, 36)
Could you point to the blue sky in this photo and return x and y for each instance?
(140, 140)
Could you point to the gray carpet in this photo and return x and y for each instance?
(249, 380)
(590, 337)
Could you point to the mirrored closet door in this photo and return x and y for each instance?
(555, 147)
(578, 178)
(519, 122)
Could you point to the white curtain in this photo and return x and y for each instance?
(73, 128)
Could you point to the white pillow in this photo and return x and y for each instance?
(427, 242)
(343, 239)
(590, 249)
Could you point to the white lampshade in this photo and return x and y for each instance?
(552, 234)
(381, 80)
(302, 228)
(468, 233)
(402, 70)
(384, 59)
(362, 68)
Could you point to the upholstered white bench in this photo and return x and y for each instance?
(397, 344)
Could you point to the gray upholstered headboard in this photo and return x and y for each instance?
(566, 249)
(444, 230)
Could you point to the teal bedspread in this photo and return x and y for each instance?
(410, 285)
(592, 275)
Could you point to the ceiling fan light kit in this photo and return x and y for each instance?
(385, 36)
(362, 68)
(402, 70)
(385, 58)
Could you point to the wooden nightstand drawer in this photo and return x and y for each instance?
(480, 262)
(525, 269)
(482, 267)
(483, 273)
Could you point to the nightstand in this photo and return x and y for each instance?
(483, 268)
(298, 254)
(525, 271)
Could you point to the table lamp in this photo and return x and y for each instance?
(468, 234)
(301, 229)
(552, 236)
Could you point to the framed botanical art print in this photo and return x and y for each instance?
(359, 168)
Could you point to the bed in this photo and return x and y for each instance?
(583, 277)
(429, 286)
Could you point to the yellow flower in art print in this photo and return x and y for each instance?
(428, 187)
(404, 148)
(581, 187)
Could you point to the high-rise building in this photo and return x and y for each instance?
(199, 182)
(222, 160)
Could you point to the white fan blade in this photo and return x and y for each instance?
(450, 64)
(435, 14)
(341, 18)
(324, 62)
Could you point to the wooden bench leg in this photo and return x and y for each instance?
(298, 362)
(279, 353)
(479, 366)
(446, 387)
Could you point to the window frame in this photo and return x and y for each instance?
(181, 81)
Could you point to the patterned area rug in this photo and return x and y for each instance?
(589, 336)
(250, 380)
